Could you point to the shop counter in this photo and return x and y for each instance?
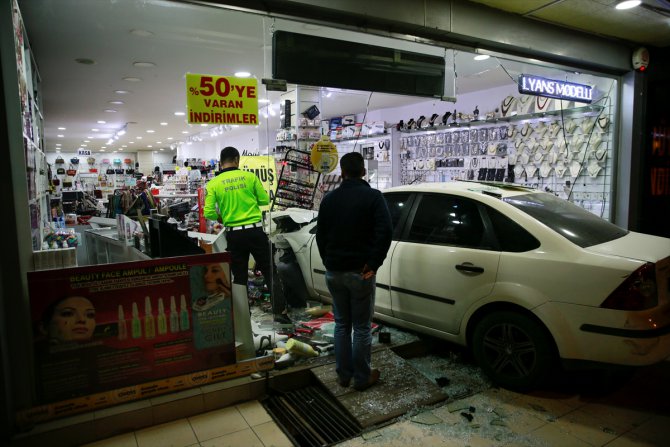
(103, 246)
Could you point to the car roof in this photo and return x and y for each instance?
(467, 187)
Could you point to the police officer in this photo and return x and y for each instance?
(238, 196)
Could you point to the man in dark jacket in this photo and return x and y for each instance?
(353, 234)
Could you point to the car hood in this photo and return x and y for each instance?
(642, 247)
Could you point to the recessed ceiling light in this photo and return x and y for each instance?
(110, 110)
(481, 57)
(87, 141)
(84, 61)
(138, 138)
(95, 130)
(104, 147)
(123, 145)
(102, 150)
(163, 124)
(179, 113)
(132, 79)
(60, 136)
(151, 131)
(84, 145)
(149, 145)
(102, 122)
(58, 144)
(183, 131)
(61, 128)
(131, 142)
(242, 74)
(143, 64)
(161, 148)
(169, 138)
(141, 32)
(159, 142)
(116, 102)
(121, 92)
(628, 4)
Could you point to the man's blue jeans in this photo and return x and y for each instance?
(353, 305)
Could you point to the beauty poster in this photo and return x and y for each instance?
(108, 326)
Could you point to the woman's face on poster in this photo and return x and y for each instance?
(73, 320)
(216, 280)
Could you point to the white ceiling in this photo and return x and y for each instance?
(182, 38)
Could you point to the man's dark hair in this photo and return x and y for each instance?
(228, 154)
(186, 164)
(352, 165)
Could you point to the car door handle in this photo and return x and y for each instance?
(469, 267)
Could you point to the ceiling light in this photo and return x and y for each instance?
(102, 150)
(628, 4)
(150, 131)
(132, 79)
(95, 130)
(163, 124)
(116, 102)
(84, 145)
(60, 136)
(171, 148)
(58, 144)
(143, 64)
(110, 110)
(159, 142)
(139, 138)
(61, 128)
(84, 61)
(169, 138)
(161, 148)
(121, 92)
(242, 74)
(87, 141)
(102, 122)
(141, 32)
(183, 131)
(124, 145)
(149, 145)
(121, 132)
(481, 57)
(179, 113)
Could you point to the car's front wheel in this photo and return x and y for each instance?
(513, 349)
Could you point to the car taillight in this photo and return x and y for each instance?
(637, 292)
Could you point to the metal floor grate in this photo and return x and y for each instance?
(312, 417)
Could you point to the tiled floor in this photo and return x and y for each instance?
(632, 416)
(246, 424)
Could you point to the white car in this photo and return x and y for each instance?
(521, 277)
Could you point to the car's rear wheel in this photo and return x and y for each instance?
(513, 349)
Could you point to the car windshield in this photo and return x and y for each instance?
(569, 220)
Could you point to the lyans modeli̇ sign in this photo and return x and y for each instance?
(535, 85)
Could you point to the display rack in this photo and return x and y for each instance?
(297, 181)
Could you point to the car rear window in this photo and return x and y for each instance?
(567, 219)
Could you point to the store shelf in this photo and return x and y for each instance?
(592, 109)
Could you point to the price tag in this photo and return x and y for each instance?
(324, 155)
(221, 100)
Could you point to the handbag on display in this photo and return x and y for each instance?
(117, 161)
(109, 171)
(93, 170)
(74, 160)
(71, 172)
(60, 171)
(128, 161)
(55, 182)
(118, 171)
(59, 160)
(90, 160)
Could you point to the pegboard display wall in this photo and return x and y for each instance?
(567, 151)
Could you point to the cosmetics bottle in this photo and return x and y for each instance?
(185, 324)
(174, 316)
(149, 322)
(161, 320)
(136, 324)
(122, 327)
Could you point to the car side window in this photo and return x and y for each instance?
(510, 235)
(443, 219)
(397, 204)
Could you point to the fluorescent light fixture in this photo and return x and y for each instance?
(163, 124)
(116, 102)
(95, 130)
(628, 4)
(61, 128)
(132, 79)
(184, 131)
(121, 132)
(481, 57)
(179, 113)
(169, 138)
(149, 145)
(110, 110)
(102, 150)
(139, 138)
(143, 64)
(87, 141)
(242, 74)
(121, 92)
(60, 136)
(102, 122)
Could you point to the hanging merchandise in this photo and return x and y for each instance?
(74, 160)
(59, 160)
(71, 171)
(90, 160)
(60, 171)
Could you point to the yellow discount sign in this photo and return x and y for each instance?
(221, 100)
(324, 155)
